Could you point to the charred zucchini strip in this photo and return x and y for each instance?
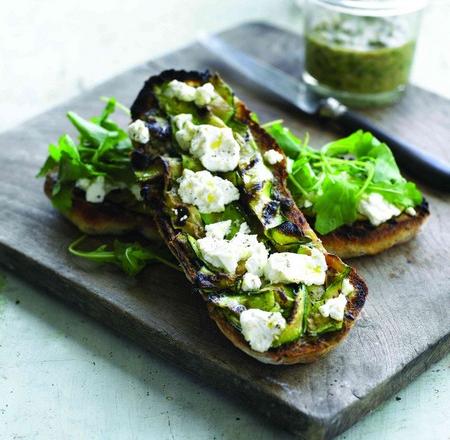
(216, 182)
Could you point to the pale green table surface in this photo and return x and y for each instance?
(62, 375)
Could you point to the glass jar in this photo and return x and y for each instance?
(359, 51)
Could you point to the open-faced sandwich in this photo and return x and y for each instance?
(352, 192)
(216, 182)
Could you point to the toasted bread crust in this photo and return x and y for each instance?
(361, 238)
(104, 218)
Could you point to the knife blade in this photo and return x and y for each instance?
(415, 161)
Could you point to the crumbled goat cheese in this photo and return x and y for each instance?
(83, 183)
(215, 147)
(286, 267)
(95, 189)
(257, 261)
(218, 230)
(307, 203)
(184, 129)
(138, 131)
(411, 211)
(180, 90)
(244, 228)
(289, 165)
(220, 253)
(209, 193)
(347, 287)
(334, 308)
(261, 328)
(202, 95)
(250, 282)
(273, 156)
(226, 254)
(377, 209)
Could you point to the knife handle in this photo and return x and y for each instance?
(417, 163)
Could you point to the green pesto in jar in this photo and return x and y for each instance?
(360, 54)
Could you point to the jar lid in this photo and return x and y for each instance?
(374, 7)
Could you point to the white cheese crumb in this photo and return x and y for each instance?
(209, 193)
(347, 287)
(377, 209)
(205, 94)
(289, 164)
(307, 203)
(180, 90)
(334, 308)
(250, 282)
(218, 230)
(97, 189)
(286, 267)
(138, 131)
(226, 254)
(244, 228)
(184, 129)
(273, 156)
(215, 147)
(257, 261)
(83, 183)
(220, 253)
(411, 211)
(202, 95)
(260, 328)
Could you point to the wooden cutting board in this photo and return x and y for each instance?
(404, 326)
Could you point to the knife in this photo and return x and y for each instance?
(416, 162)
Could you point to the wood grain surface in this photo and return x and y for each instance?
(404, 326)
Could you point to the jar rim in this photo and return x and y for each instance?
(374, 7)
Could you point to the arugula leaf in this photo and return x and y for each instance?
(130, 257)
(289, 143)
(62, 196)
(337, 204)
(90, 131)
(336, 177)
(48, 166)
(364, 145)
